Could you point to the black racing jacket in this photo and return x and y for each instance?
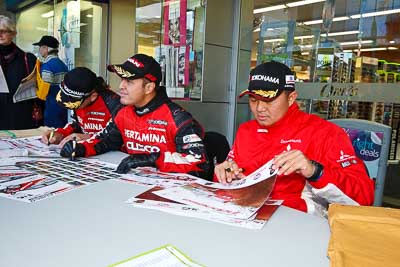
(161, 126)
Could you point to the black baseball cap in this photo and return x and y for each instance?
(49, 41)
(78, 83)
(268, 80)
(138, 66)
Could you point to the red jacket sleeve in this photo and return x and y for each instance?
(344, 179)
(71, 127)
(189, 155)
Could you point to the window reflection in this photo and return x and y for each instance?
(173, 32)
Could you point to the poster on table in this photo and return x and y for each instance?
(34, 179)
(239, 199)
(150, 200)
(32, 146)
(152, 177)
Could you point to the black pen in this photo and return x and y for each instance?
(73, 148)
(230, 170)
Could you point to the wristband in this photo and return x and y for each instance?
(318, 171)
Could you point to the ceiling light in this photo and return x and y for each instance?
(356, 42)
(391, 42)
(347, 51)
(319, 21)
(341, 18)
(312, 22)
(305, 53)
(267, 9)
(48, 14)
(274, 40)
(303, 3)
(392, 48)
(293, 4)
(304, 37)
(342, 33)
(89, 16)
(371, 49)
(374, 14)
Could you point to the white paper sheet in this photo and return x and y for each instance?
(262, 173)
(166, 256)
(3, 82)
(152, 177)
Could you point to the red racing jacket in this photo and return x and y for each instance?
(94, 118)
(162, 127)
(344, 179)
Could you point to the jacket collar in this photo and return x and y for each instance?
(160, 98)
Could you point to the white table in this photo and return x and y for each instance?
(92, 226)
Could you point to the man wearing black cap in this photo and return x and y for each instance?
(52, 71)
(153, 130)
(316, 161)
(92, 103)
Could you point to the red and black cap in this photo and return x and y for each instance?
(138, 66)
(268, 80)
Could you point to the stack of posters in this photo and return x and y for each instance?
(243, 203)
(31, 180)
(28, 145)
(149, 176)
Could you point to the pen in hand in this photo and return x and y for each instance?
(51, 136)
(73, 148)
(230, 170)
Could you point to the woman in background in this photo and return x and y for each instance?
(15, 65)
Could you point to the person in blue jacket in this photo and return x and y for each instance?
(52, 71)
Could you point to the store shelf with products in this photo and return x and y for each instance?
(347, 86)
(379, 102)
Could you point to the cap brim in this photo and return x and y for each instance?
(262, 94)
(38, 43)
(122, 72)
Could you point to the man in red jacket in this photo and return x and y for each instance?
(92, 103)
(316, 162)
(153, 130)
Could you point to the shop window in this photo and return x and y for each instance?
(346, 56)
(322, 40)
(173, 32)
(78, 25)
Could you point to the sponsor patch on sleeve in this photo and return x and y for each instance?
(348, 163)
(191, 138)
